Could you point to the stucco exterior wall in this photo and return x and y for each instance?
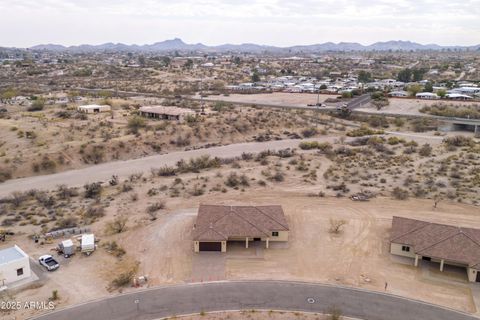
(8, 271)
(396, 249)
(282, 236)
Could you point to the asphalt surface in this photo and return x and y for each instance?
(359, 101)
(248, 295)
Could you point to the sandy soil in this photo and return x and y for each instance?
(258, 315)
(276, 98)
(358, 257)
(409, 106)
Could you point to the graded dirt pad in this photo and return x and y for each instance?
(358, 256)
(257, 315)
(276, 98)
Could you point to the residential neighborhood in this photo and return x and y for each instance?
(239, 160)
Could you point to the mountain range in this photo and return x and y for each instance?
(178, 45)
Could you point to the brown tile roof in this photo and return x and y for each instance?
(438, 241)
(217, 223)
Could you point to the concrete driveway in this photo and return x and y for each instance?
(208, 266)
(246, 295)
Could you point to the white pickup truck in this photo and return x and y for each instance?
(48, 262)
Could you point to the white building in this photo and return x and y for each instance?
(14, 265)
(398, 94)
(426, 95)
(94, 108)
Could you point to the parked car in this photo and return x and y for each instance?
(48, 262)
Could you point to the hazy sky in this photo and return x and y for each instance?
(25, 23)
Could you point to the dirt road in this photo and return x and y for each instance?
(122, 169)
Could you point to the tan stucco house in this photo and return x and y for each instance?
(218, 224)
(435, 242)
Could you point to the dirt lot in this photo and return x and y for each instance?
(409, 106)
(357, 257)
(276, 98)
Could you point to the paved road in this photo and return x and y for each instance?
(104, 171)
(359, 101)
(247, 295)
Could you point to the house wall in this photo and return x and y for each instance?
(472, 274)
(282, 236)
(8, 271)
(396, 248)
(91, 110)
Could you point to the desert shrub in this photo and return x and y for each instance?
(17, 198)
(363, 131)
(117, 225)
(395, 140)
(94, 154)
(278, 176)
(125, 276)
(37, 105)
(449, 110)
(399, 193)
(54, 296)
(93, 190)
(197, 164)
(336, 225)
(126, 187)
(5, 174)
(114, 249)
(113, 180)
(154, 207)
(44, 199)
(458, 141)
(136, 123)
(66, 222)
(423, 124)
(45, 164)
(63, 114)
(425, 150)
(322, 146)
(64, 192)
(309, 132)
(234, 180)
(197, 190)
(166, 171)
(94, 212)
(378, 121)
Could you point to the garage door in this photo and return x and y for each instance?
(210, 246)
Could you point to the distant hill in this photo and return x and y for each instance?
(178, 45)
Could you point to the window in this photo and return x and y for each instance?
(19, 272)
(275, 234)
(406, 248)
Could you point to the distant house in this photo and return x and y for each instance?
(217, 224)
(94, 108)
(427, 95)
(435, 242)
(458, 96)
(398, 94)
(14, 265)
(165, 113)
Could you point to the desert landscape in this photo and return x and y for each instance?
(131, 172)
